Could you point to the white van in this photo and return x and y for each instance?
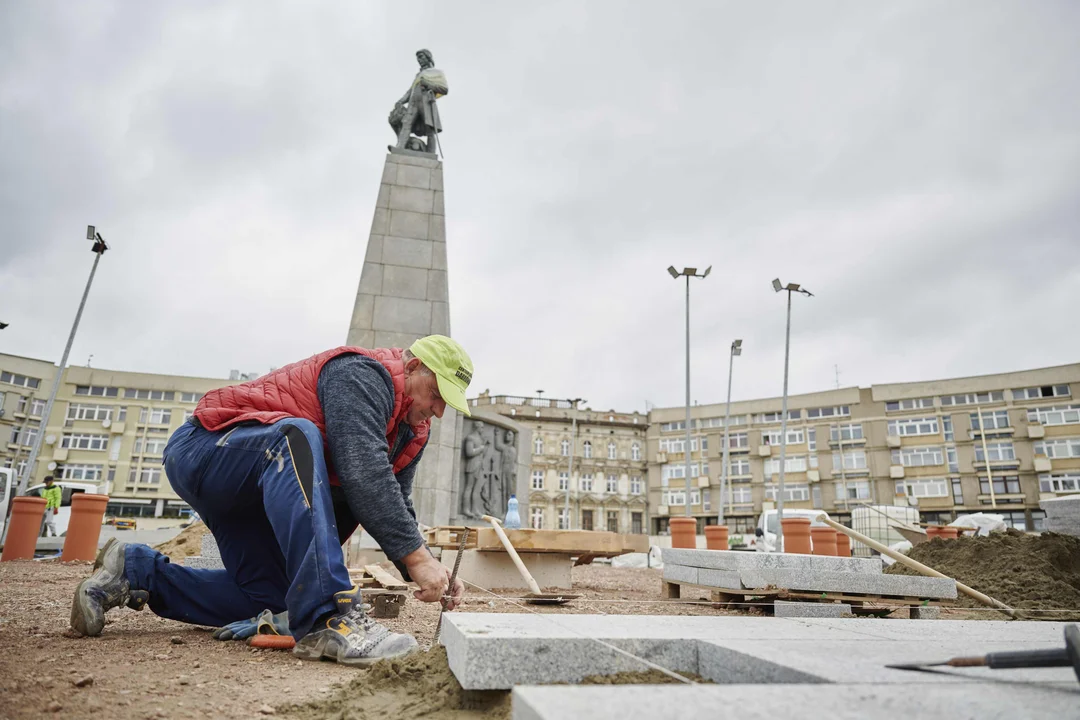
(68, 489)
(765, 540)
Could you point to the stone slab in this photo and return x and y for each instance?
(785, 609)
(498, 651)
(203, 563)
(833, 582)
(497, 570)
(983, 700)
(925, 612)
(736, 560)
(209, 547)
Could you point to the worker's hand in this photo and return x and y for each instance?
(56, 511)
(428, 573)
(455, 592)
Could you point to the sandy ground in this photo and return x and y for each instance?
(145, 667)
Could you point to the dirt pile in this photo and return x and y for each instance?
(187, 543)
(1029, 572)
(419, 686)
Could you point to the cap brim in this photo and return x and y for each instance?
(453, 395)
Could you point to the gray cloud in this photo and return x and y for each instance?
(915, 165)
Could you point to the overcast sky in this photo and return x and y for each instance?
(916, 165)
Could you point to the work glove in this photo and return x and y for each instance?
(265, 622)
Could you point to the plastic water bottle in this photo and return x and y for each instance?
(513, 520)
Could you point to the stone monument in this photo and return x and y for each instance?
(403, 293)
(495, 463)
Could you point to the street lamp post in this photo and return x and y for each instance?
(736, 350)
(790, 288)
(688, 273)
(570, 465)
(99, 247)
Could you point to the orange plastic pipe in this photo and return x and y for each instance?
(26, 515)
(84, 528)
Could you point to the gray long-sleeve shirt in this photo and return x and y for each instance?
(357, 398)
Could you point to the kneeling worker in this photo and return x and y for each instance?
(282, 469)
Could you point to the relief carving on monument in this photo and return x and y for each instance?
(489, 462)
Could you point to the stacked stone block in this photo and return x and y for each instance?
(210, 559)
(1063, 515)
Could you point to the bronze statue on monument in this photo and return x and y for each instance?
(415, 117)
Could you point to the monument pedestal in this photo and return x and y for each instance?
(404, 295)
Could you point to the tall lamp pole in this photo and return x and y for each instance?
(688, 273)
(736, 350)
(790, 288)
(570, 466)
(98, 248)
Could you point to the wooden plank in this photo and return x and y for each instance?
(385, 579)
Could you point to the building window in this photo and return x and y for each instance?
(909, 404)
(188, 414)
(97, 391)
(26, 435)
(794, 437)
(951, 458)
(838, 411)
(992, 420)
(775, 417)
(850, 431)
(738, 467)
(973, 398)
(811, 440)
(957, 492)
(635, 485)
(538, 446)
(536, 518)
(588, 449)
(89, 412)
(678, 445)
(738, 441)
(914, 426)
(564, 481)
(149, 446)
(1003, 485)
(998, 452)
(1038, 393)
(586, 520)
(564, 448)
(84, 442)
(612, 451)
(925, 487)
(86, 473)
(612, 484)
(537, 479)
(190, 397)
(677, 471)
(792, 493)
(1059, 448)
(855, 490)
(918, 456)
(37, 406)
(1060, 483)
(1060, 415)
(635, 452)
(564, 519)
(792, 463)
(680, 425)
(743, 495)
(678, 497)
(853, 460)
(20, 380)
(613, 521)
(160, 395)
(586, 482)
(1016, 519)
(635, 523)
(146, 476)
(946, 427)
(155, 416)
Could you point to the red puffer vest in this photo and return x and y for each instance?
(293, 391)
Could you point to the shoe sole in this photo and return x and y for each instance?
(82, 620)
(319, 653)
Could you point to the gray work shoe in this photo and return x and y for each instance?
(352, 638)
(107, 588)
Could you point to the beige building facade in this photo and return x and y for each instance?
(993, 443)
(607, 484)
(107, 427)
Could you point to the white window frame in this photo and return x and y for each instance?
(1065, 447)
(635, 452)
(919, 456)
(792, 464)
(827, 412)
(97, 391)
(847, 432)
(795, 436)
(908, 427)
(636, 487)
(585, 482)
(738, 466)
(1055, 415)
(908, 404)
(855, 490)
(78, 411)
(538, 446)
(1036, 393)
(612, 451)
(927, 487)
(792, 493)
(20, 380)
(991, 419)
(611, 484)
(536, 518)
(985, 398)
(854, 460)
(190, 397)
(564, 448)
(81, 473)
(537, 479)
(1066, 482)
(85, 441)
(677, 471)
(564, 481)
(587, 449)
(742, 495)
(998, 450)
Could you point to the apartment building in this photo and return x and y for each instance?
(107, 426)
(606, 485)
(995, 443)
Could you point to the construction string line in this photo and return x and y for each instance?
(547, 616)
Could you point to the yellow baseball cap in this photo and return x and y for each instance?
(452, 367)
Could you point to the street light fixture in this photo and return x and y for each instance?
(98, 248)
(790, 288)
(688, 273)
(736, 350)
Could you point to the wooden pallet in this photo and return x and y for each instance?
(592, 543)
(672, 590)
